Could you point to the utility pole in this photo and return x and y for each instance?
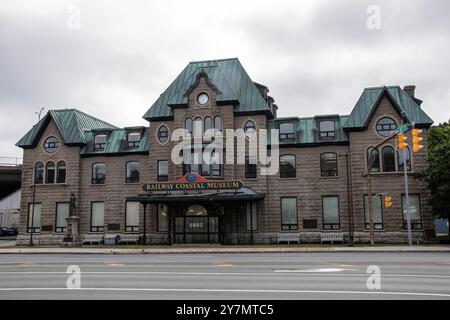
(369, 196)
(33, 173)
(408, 213)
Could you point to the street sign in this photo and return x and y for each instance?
(402, 128)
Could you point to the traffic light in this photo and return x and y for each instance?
(401, 141)
(416, 140)
(388, 201)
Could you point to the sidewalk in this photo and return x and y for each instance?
(223, 249)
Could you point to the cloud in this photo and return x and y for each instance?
(316, 56)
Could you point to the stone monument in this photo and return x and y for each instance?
(72, 237)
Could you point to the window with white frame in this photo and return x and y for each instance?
(377, 213)
(97, 216)
(330, 208)
(132, 216)
(414, 212)
(62, 212)
(34, 217)
(289, 217)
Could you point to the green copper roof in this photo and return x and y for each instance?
(229, 78)
(71, 123)
(116, 142)
(369, 100)
(307, 129)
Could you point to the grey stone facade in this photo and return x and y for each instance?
(308, 187)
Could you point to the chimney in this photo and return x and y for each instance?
(410, 90)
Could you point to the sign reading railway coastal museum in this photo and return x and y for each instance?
(192, 182)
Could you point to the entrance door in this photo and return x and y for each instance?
(197, 227)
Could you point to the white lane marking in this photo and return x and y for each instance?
(235, 290)
(24, 273)
(319, 270)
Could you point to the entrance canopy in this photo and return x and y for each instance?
(244, 193)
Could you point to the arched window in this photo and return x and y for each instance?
(196, 210)
(388, 159)
(218, 123)
(61, 172)
(39, 173)
(287, 131)
(401, 161)
(249, 128)
(51, 145)
(328, 164)
(163, 134)
(198, 130)
(385, 126)
(208, 125)
(287, 166)
(188, 125)
(373, 157)
(50, 172)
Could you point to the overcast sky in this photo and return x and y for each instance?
(115, 58)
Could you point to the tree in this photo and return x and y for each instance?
(438, 172)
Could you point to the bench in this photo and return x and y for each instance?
(331, 237)
(129, 238)
(93, 239)
(288, 237)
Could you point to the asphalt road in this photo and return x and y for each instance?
(226, 276)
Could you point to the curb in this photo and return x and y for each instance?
(223, 251)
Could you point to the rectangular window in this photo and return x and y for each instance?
(193, 162)
(132, 216)
(163, 170)
(330, 209)
(100, 142)
(163, 218)
(134, 139)
(97, 216)
(289, 216)
(133, 169)
(414, 212)
(287, 166)
(250, 167)
(252, 216)
(34, 223)
(377, 213)
(327, 129)
(98, 173)
(62, 212)
(328, 164)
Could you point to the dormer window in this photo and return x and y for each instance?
(327, 129)
(134, 139)
(100, 142)
(287, 131)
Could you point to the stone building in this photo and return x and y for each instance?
(320, 188)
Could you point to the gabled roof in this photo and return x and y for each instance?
(306, 129)
(117, 142)
(371, 97)
(71, 124)
(232, 82)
